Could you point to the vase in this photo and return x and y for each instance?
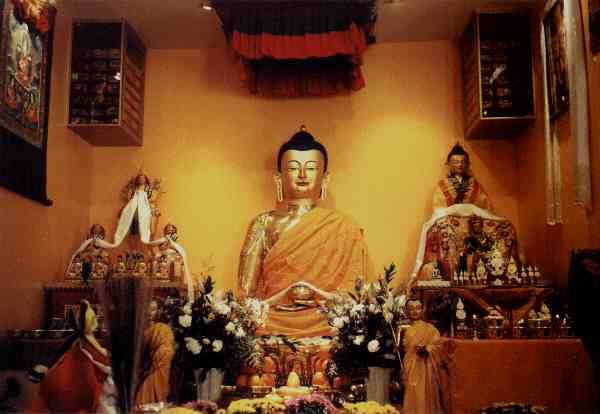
(210, 388)
(378, 385)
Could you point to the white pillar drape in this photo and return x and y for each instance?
(578, 101)
(553, 178)
(578, 116)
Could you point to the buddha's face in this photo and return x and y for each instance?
(302, 174)
(414, 309)
(458, 164)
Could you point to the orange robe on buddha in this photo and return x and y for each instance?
(325, 249)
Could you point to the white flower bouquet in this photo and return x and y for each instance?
(217, 330)
(367, 322)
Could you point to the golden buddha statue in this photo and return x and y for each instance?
(459, 187)
(300, 253)
(168, 263)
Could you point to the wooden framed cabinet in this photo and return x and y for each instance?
(106, 88)
(497, 65)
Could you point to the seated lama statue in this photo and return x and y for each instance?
(458, 186)
(463, 232)
(299, 254)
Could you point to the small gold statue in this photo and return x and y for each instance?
(512, 272)
(461, 315)
(141, 268)
(435, 272)
(99, 269)
(481, 272)
(524, 277)
(537, 276)
(168, 263)
(120, 267)
(75, 269)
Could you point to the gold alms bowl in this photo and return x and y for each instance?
(301, 293)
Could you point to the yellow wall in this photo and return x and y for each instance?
(214, 146)
(36, 241)
(551, 245)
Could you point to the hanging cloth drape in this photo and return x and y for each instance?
(299, 48)
(553, 178)
(578, 98)
(139, 204)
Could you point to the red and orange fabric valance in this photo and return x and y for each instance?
(297, 48)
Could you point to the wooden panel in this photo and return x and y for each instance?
(129, 111)
(127, 128)
(106, 135)
(499, 128)
(128, 119)
(133, 68)
(128, 88)
(134, 80)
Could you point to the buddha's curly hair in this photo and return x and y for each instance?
(302, 141)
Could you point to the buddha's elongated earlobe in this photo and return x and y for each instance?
(279, 187)
(324, 184)
(324, 190)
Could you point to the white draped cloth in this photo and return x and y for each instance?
(139, 204)
(578, 101)
(553, 180)
(578, 116)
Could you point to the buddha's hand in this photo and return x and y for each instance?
(326, 295)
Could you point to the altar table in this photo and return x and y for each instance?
(556, 373)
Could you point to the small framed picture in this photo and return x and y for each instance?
(594, 12)
(556, 59)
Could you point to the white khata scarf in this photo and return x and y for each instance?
(139, 203)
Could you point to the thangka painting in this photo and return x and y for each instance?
(556, 59)
(25, 55)
(24, 62)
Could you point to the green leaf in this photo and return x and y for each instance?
(390, 272)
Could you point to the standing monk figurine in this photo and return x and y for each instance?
(300, 253)
(157, 353)
(425, 372)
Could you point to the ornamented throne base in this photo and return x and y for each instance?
(308, 361)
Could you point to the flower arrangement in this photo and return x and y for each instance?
(256, 406)
(369, 407)
(309, 404)
(216, 330)
(367, 323)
